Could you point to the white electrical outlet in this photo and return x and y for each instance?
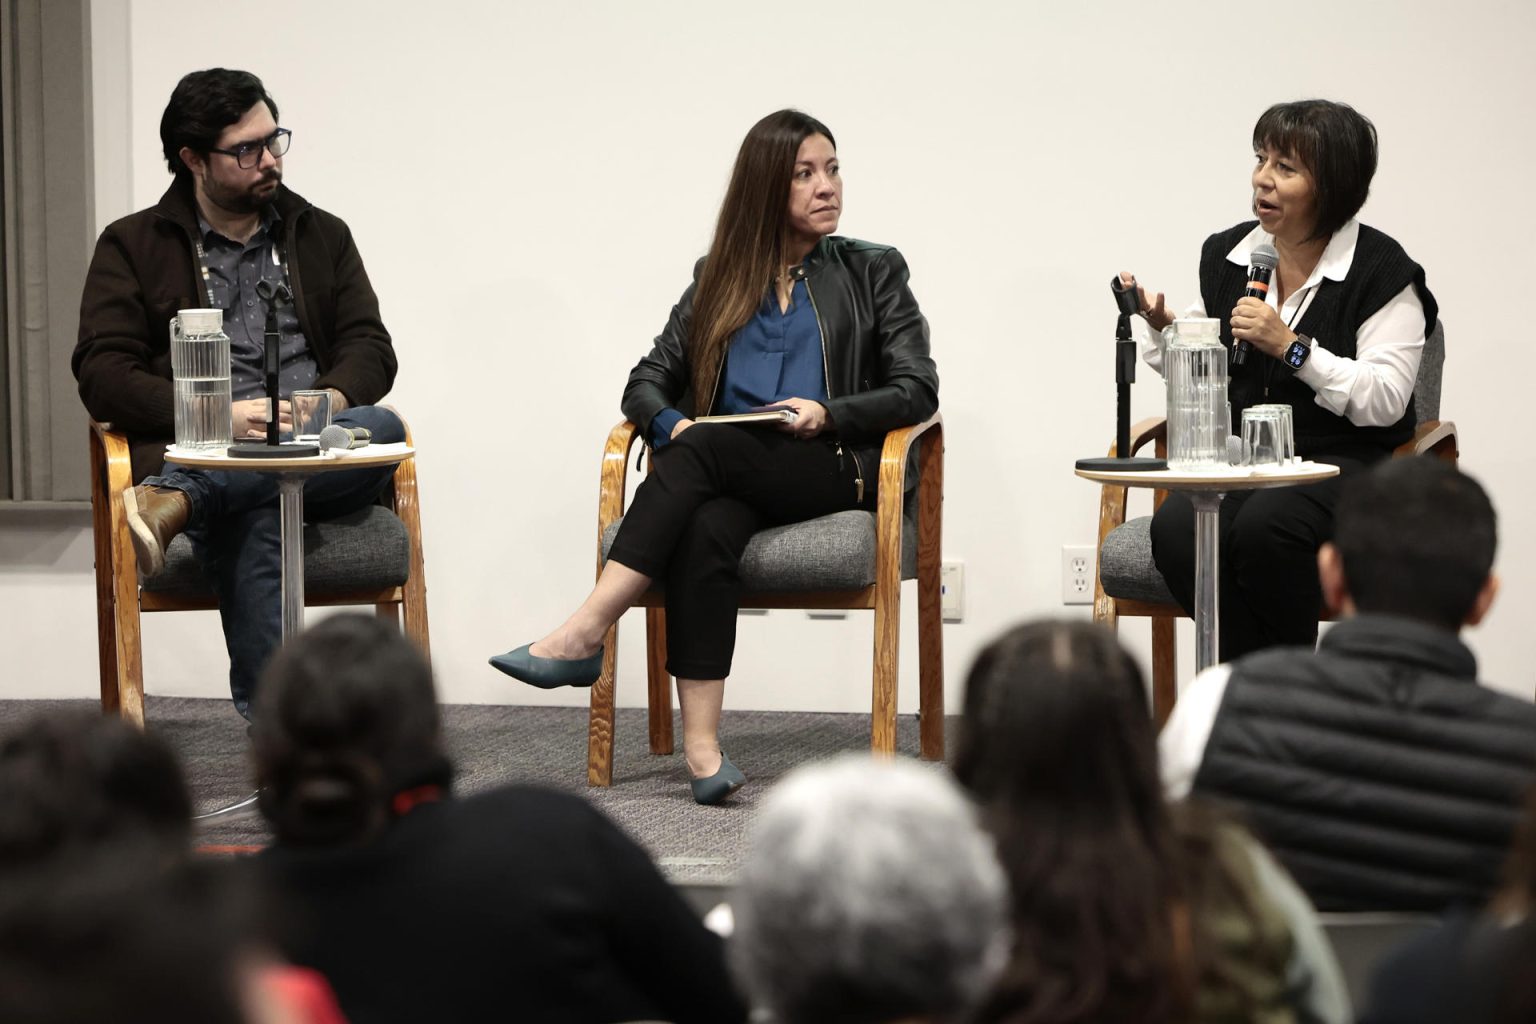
(1077, 561)
(952, 591)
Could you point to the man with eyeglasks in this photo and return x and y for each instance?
(228, 234)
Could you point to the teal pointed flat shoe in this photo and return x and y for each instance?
(715, 788)
(549, 673)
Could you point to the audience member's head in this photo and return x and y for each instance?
(346, 720)
(1110, 894)
(202, 105)
(1056, 725)
(869, 895)
(102, 915)
(1412, 537)
(120, 934)
(78, 781)
(1058, 748)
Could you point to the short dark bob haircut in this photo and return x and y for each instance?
(202, 105)
(1336, 143)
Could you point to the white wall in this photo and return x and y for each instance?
(530, 184)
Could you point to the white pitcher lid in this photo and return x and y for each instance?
(201, 321)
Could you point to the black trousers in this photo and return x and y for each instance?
(1268, 588)
(708, 492)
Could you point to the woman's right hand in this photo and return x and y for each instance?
(1153, 309)
(681, 426)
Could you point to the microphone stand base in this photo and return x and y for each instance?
(1121, 465)
(262, 450)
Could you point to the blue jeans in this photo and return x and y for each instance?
(237, 534)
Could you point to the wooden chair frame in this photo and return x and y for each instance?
(1433, 437)
(883, 597)
(119, 599)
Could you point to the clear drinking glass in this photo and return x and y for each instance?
(311, 414)
(200, 372)
(1262, 440)
(1287, 433)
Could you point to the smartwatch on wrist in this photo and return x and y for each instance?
(1295, 357)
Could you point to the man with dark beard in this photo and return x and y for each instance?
(228, 234)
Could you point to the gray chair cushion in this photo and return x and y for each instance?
(835, 552)
(367, 550)
(1126, 567)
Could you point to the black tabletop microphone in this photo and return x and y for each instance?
(1261, 267)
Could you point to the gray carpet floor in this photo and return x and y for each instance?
(494, 745)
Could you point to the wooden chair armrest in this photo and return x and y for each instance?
(404, 499)
(893, 454)
(893, 465)
(117, 458)
(1433, 437)
(1152, 429)
(612, 479)
(890, 499)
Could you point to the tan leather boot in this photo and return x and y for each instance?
(155, 516)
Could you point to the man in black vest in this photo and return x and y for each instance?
(1377, 769)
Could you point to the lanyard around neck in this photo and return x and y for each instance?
(278, 256)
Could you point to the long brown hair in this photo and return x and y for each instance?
(750, 240)
(1110, 903)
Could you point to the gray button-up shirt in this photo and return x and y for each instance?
(233, 272)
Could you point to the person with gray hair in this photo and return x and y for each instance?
(870, 895)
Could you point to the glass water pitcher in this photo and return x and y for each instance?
(200, 369)
(1199, 415)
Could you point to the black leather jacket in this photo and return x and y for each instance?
(874, 347)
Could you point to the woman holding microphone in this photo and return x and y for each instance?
(781, 312)
(1338, 338)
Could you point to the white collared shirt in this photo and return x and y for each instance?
(1181, 744)
(1373, 388)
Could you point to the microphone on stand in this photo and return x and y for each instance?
(272, 351)
(1128, 299)
(275, 295)
(1261, 267)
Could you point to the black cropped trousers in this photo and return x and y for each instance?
(707, 493)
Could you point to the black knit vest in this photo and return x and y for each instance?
(1378, 272)
(1378, 770)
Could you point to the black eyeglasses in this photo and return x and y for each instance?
(248, 154)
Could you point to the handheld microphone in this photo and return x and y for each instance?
(1261, 267)
(338, 436)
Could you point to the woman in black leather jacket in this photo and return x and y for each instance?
(781, 313)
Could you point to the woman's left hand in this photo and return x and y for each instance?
(1254, 321)
(810, 418)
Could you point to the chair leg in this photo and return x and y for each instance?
(930, 671)
(658, 681)
(413, 602)
(600, 719)
(130, 652)
(106, 606)
(1165, 659)
(882, 728)
(387, 611)
(128, 642)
